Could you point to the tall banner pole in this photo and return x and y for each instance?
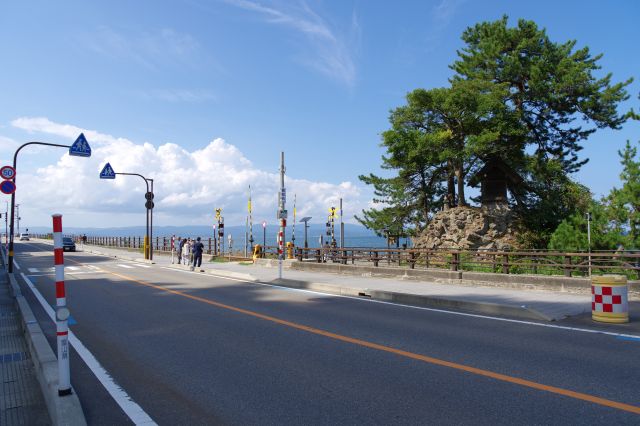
(250, 221)
(282, 216)
(62, 313)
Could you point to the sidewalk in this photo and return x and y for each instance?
(21, 400)
(515, 303)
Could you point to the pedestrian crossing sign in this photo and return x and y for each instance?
(80, 147)
(107, 172)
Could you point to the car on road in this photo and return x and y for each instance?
(24, 237)
(68, 244)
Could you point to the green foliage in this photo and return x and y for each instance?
(625, 202)
(571, 234)
(517, 96)
(551, 87)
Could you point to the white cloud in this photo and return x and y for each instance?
(441, 17)
(334, 51)
(150, 49)
(7, 145)
(176, 95)
(188, 184)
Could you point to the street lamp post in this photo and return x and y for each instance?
(80, 148)
(306, 220)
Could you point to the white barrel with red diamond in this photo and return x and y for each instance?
(609, 299)
(62, 313)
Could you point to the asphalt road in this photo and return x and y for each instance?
(197, 349)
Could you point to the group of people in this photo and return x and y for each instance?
(187, 251)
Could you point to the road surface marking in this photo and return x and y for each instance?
(125, 266)
(486, 373)
(34, 270)
(137, 415)
(442, 311)
(422, 308)
(72, 268)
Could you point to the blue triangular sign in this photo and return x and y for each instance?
(80, 147)
(107, 172)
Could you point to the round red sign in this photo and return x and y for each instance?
(7, 172)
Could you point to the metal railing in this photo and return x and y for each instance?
(540, 262)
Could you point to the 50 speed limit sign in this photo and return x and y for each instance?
(7, 172)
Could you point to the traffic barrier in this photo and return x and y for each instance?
(609, 299)
(62, 313)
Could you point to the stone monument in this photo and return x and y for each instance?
(488, 227)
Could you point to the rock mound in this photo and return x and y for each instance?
(470, 228)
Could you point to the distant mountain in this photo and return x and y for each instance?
(206, 231)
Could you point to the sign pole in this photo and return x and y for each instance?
(80, 148)
(62, 313)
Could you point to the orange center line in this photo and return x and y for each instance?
(461, 367)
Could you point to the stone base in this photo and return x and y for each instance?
(470, 228)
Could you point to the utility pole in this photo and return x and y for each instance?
(282, 215)
(250, 222)
(18, 216)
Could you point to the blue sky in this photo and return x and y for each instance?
(156, 83)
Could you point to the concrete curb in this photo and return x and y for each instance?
(62, 410)
(417, 299)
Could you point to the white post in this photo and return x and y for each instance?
(62, 313)
(589, 239)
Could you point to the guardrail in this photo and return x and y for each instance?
(541, 262)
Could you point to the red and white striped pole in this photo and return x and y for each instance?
(62, 313)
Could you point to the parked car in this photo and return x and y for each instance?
(68, 244)
(24, 237)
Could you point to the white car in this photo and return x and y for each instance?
(24, 237)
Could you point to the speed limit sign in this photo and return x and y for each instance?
(7, 172)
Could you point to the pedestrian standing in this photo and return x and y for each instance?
(186, 251)
(198, 248)
(181, 243)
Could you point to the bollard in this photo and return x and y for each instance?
(609, 299)
(62, 313)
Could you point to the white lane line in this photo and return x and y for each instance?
(131, 409)
(464, 314)
(125, 266)
(72, 268)
(33, 270)
(141, 265)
